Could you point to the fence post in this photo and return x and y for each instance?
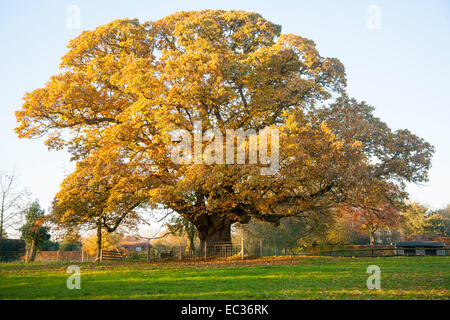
(242, 248)
(57, 256)
(101, 255)
(260, 248)
(181, 253)
(148, 251)
(82, 256)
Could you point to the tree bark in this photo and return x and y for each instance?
(99, 239)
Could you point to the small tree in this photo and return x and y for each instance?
(89, 201)
(33, 231)
(70, 244)
(371, 221)
(11, 203)
(180, 226)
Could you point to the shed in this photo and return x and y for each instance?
(421, 248)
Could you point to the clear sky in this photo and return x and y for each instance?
(398, 63)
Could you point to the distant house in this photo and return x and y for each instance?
(131, 245)
(421, 248)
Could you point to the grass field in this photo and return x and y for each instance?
(269, 278)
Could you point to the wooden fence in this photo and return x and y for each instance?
(111, 255)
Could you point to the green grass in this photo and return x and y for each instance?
(278, 278)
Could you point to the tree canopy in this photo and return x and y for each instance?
(125, 87)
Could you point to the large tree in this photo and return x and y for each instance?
(125, 87)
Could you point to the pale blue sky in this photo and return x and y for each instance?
(402, 68)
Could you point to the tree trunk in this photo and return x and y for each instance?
(1, 225)
(99, 239)
(2, 213)
(191, 245)
(212, 229)
(372, 238)
(33, 249)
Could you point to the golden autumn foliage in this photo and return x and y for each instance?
(126, 86)
(111, 241)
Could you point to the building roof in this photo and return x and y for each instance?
(132, 244)
(423, 244)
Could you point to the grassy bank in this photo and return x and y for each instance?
(274, 278)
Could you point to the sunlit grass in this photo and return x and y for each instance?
(283, 278)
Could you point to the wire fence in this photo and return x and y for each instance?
(42, 256)
(215, 250)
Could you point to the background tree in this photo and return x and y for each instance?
(50, 245)
(371, 221)
(346, 230)
(291, 234)
(33, 231)
(415, 221)
(439, 222)
(169, 243)
(71, 242)
(182, 227)
(12, 203)
(125, 88)
(282, 237)
(110, 241)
